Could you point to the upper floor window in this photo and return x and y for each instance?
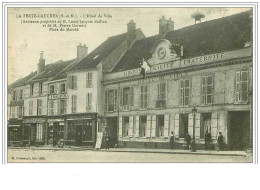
(31, 89)
(30, 107)
(89, 79)
(63, 106)
(39, 107)
(74, 82)
(207, 89)
(161, 95)
(20, 112)
(144, 96)
(73, 103)
(111, 100)
(241, 88)
(52, 89)
(40, 88)
(21, 95)
(127, 97)
(88, 101)
(14, 95)
(62, 88)
(51, 107)
(185, 92)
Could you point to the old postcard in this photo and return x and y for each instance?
(125, 84)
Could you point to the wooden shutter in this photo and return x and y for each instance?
(115, 100)
(106, 99)
(87, 81)
(166, 125)
(176, 125)
(69, 82)
(137, 126)
(131, 95)
(148, 126)
(197, 126)
(214, 125)
(131, 126)
(58, 107)
(76, 82)
(153, 132)
(120, 127)
(181, 92)
(121, 97)
(190, 125)
(90, 100)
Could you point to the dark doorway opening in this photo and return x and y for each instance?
(184, 118)
(111, 130)
(78, 135)
(239, 130)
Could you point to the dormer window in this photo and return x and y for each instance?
(62, 88)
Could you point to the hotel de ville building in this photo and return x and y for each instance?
(206, 66)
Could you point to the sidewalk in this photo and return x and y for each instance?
(136, 150)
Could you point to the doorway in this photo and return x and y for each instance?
(112, 130)
(78, 141)
(239, 130)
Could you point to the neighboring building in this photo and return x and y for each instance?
(207, 65)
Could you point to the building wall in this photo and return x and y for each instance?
(44, 106)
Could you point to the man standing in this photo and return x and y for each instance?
(188, 141)
(220, 141)
(172, 140)
(207, 141)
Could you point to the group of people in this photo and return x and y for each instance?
(189, 142)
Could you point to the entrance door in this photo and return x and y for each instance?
(239, 130)
(78, 135)
(112, 130)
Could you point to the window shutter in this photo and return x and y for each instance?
(131, 123)
(148, 93)
(90, 100)
(69, 82)
(148, 126)
(153, 133)
(120, 127)
(214, 125)
(75, 78)
(166, 125)
(106, 98)
(87, 81)
(197, 126)
(237, 86)
(121, 97)
(131, 95)
(158, 91)
(203, 90)
(190, 125)
(137, 126)
(190, 90)
(58, 107)
(115, 100)
(181, 93)
(176, 125)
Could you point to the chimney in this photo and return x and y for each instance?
(165, 26)
(41, 64)
(131, 32)
(82, 51)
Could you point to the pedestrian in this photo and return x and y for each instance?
(188, 141)
(172, 140)
(220, 141)
(207, 140)
(107, 139)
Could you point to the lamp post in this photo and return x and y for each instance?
(193, 144)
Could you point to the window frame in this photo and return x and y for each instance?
(39, 107)
(21, 95)
(239, 89)
(74, 104)
(64, 106)
(89, 80)
(204, 89)
(144, 97)
(52, 85)
(183, 94)
(52, 107)
(30, 107)
(62, 91)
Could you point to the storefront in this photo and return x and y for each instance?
(81, 129)
(14, 132)
(55, 131)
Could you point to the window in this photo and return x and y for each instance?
(88, 101)
(144, 96)
(159, 125)
(52, 107)
(63, 106)
(51, 89)
(20, 112)
(13, 112)
(89, 79)
(21, 94)
(206, 124)
(31, 89)
(30, 107)
(207, 89)
(39, 107)
(127, 97)
(142, 126)
(62, 88)
(185, 92)
(161, 95)
(183, 130)
(111, 100)
(241, 86)
(73, 103)
(74, 82)
(40, 88)
(39, 132)
(125, 126)
(14, 95)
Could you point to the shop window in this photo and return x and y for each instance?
(39, 133)
(161, 95)
(142, 126)
(39, 107)
(125, 126)
(21, 95)
(207, 89)
(144, 97)
(241, 93)
(89, 79)
(52, 89)
(185, 92)
(111, 100)
(30, 107)
(205, 124)
(52, 107)
(88, 101)
(63, 106)
(74, 103)
(62, 88)
(159, 125)
(183, 130)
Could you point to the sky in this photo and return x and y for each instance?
(26, 41)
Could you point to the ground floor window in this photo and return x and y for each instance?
(159, 125)
(142, 126)
(39, 132)
(183, 130)
(125, 126)
(205, 124)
